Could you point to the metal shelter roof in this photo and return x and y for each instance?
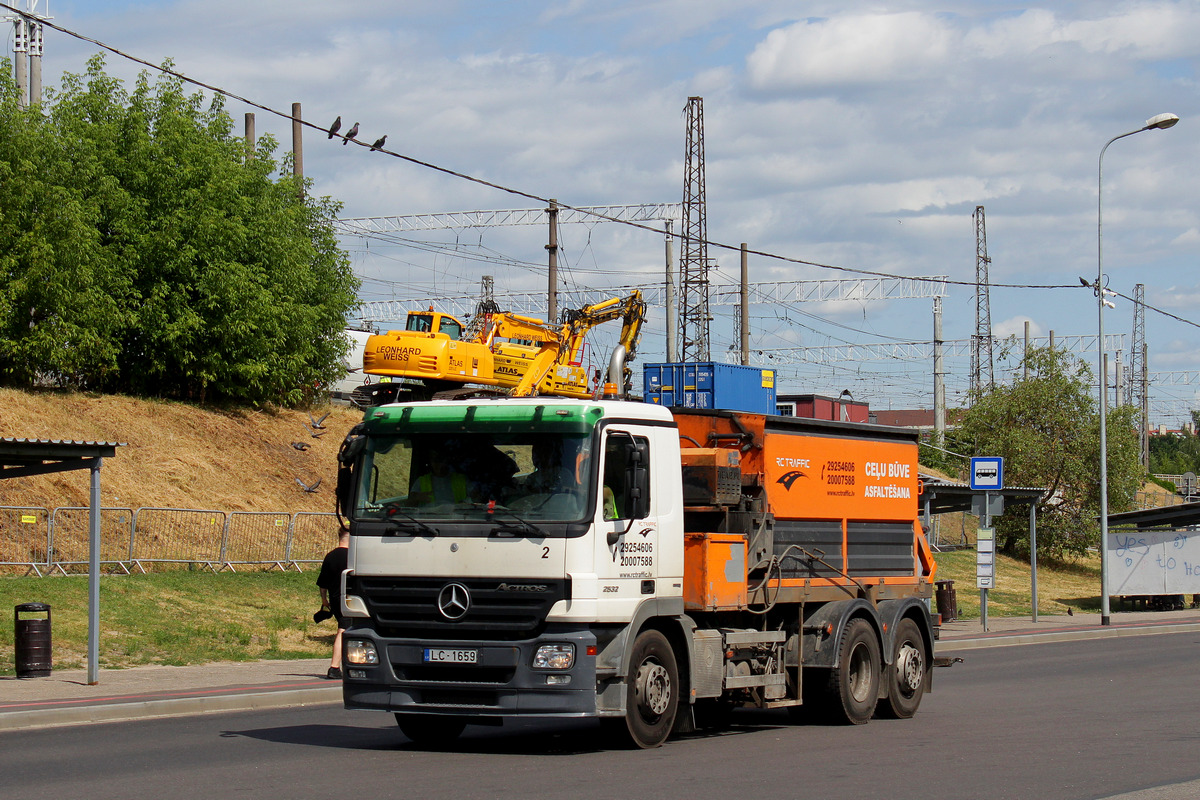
(943, 497)
(19, 457)
(1164, 518)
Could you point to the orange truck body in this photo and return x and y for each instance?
(847, 494)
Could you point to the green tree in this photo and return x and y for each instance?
(144, 252)
(1046, 427)
(1176, 453)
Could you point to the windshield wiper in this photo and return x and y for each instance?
(520, 526)
(517, 526)
(398, 526)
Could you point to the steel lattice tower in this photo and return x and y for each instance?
(1133, 387)
(981, 350)
(1137, 391)
(693, 262)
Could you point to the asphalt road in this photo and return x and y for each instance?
(1087, 719)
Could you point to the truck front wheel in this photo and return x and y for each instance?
(652, 691)
(906, 678)
(429, 730)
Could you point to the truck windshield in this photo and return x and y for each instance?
(540, 477)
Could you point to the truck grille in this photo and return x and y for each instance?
(441, 673)
(498, 610)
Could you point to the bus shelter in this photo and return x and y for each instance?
(22, 457)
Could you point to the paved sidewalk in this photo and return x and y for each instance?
(65, 698)
(1002, 631)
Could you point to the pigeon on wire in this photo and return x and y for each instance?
(310, 489)
(333, 129)
(379, 143)
(301, 445)
(350, 134)
(318, 423)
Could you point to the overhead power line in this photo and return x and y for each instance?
(492, 185)
(517, 192)
(913, 351)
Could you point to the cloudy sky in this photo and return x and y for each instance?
(860, 135)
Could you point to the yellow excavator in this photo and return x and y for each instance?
(436, 355)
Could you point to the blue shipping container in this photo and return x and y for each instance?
(708, 384)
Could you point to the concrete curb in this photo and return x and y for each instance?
(1046, 637)
(174, 707)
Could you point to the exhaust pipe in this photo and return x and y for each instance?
(615, 382)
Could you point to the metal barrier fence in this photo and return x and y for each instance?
(25, 538)
(44, 541)
(255, 538)
(69, 534)
(313, 535)
(178, 536)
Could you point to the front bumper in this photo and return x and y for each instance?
(503, 683)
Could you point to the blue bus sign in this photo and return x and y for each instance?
(987, 473)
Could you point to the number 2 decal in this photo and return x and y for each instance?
(545, 552)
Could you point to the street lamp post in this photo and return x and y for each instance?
(1157, 122)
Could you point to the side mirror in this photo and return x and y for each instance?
(637, 479)
(352, 447)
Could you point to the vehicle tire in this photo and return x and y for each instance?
(906, 676)
(652, 695)
(853, 687)
(428, 730)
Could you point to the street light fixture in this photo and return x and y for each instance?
(1157, 122)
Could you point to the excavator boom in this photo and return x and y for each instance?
(508, 351)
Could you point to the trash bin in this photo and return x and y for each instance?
(947, 600)
(32, 641)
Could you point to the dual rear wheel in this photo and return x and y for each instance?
(849, 692)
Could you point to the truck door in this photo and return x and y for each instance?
(629, 530)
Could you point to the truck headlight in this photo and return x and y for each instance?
(554, 656)
(361, 651)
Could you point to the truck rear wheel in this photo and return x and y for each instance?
(652, 694)
(853, 687)
(906, 678)
(428, 730)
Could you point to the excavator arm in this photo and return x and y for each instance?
(550, 340)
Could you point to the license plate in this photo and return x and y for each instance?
(437, 655)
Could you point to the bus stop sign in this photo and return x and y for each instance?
(987, 473)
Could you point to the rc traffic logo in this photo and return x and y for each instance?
(790, 477)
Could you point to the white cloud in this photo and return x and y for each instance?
(851, 137)
(878, 48)
(1015, 326)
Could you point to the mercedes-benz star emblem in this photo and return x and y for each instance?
(454, 600)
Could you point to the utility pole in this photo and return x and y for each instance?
(20, 58)
(1144, 380)
(298, 148)
(1118, 381)
(250, 139)
(1025, 374)
(672, 350)
(939, 378)
(27, 52)
(744, 339)
(552, 249)
(35, 60)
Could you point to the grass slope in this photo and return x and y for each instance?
(175, 618)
